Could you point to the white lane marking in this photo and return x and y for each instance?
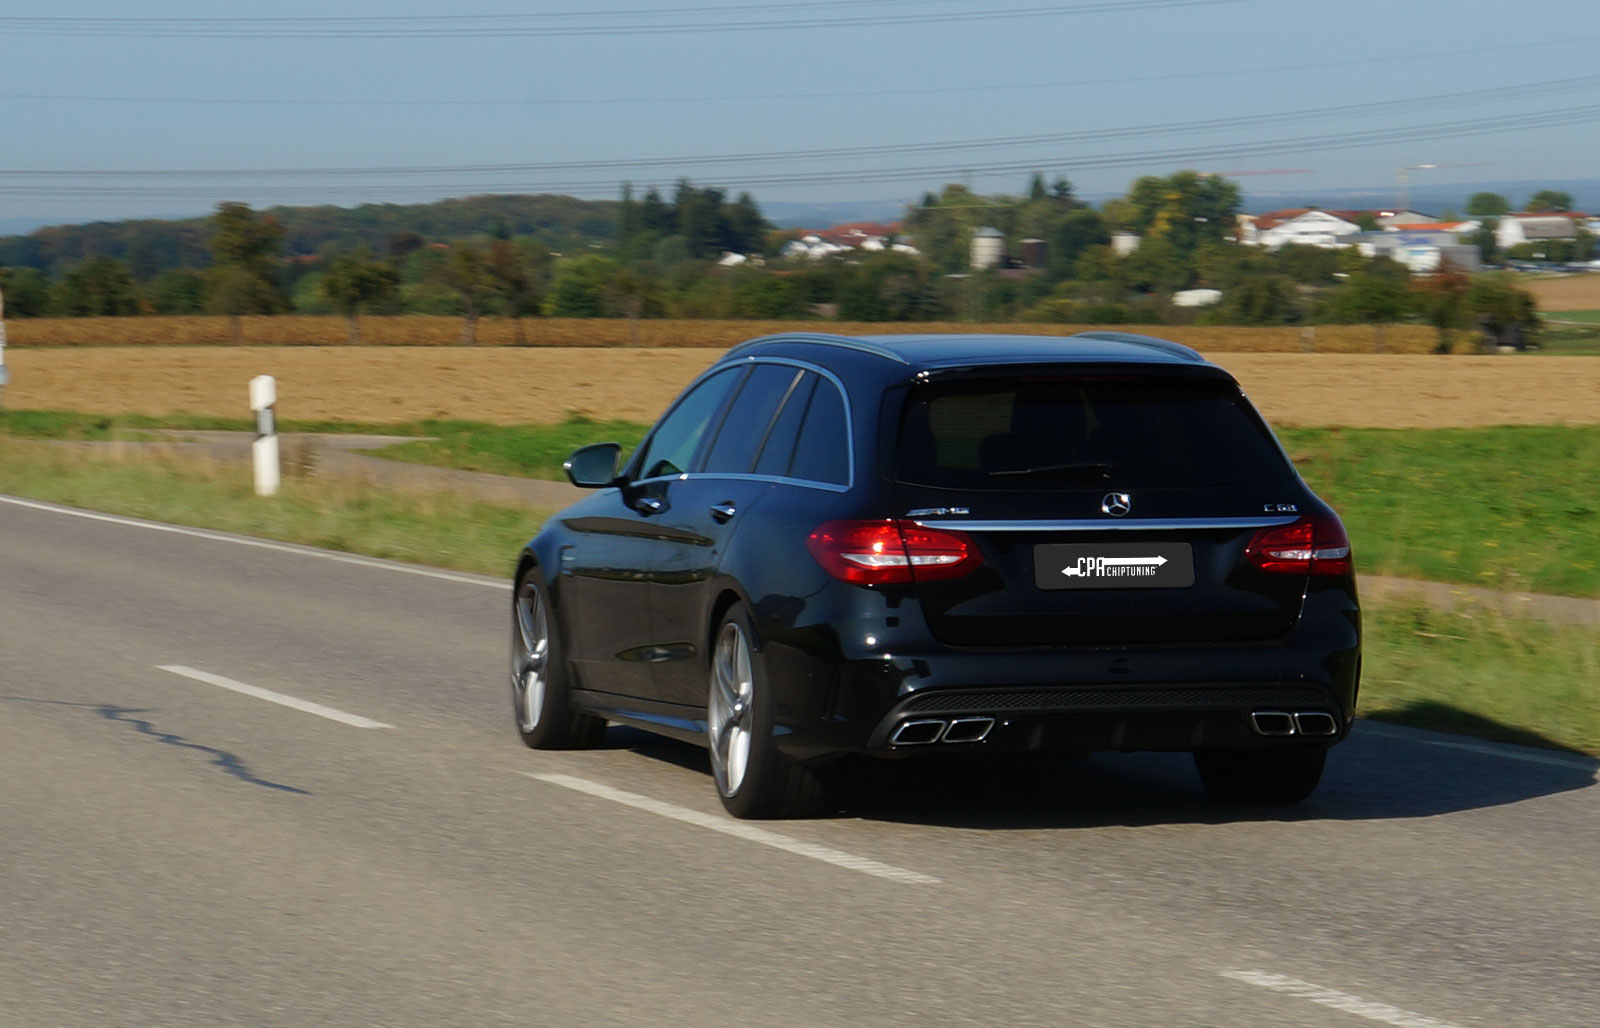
(1578, 763)
(1369, 1009)
(738, 829)
(260, 544)
(332, 714)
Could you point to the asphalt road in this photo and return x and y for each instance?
(174, 851)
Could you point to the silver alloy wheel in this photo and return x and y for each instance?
(530, 657)
(729, 717)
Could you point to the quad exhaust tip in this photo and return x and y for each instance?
(1283, 722)
(931, 730)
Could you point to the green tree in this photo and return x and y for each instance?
(1506, 314)
(1442, 299)
(1549, 200)
(27, 292)
(100, 287)
(1488, 205)
(516, 275)
(579, 287)
(177, 291)
(465, 270)
(1257, 300)
(888, 287)
(355, 280)
(1185, 209)
(1373, 295)
(244, 259)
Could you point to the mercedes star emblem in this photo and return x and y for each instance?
(1116, 504)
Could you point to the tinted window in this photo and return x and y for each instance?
(823, 453)
(671, 447)
(1065, 433)
(778, 452)
(749, 418)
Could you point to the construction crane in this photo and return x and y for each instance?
(1402, 176)
(1256, 171)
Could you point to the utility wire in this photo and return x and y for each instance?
(544, 101)
(523, 26)
(1166, 158)
(1188, 127)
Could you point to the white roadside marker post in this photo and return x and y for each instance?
(264, 451)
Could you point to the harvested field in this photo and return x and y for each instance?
(512, 386)
(425, 330)
(1564, 293)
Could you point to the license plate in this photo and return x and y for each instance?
(1113, 566)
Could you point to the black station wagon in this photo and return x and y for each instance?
(905, 545)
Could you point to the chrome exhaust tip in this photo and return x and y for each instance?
(1316, 722)
(1272, 722)
(969, 729)
(917, 733)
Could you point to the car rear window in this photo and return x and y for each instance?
(1068, 432)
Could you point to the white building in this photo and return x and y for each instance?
(1516, 229)
(988, 248)
(1424, 253)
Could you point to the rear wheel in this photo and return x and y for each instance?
(753, 778)
(539, 691)
(1286, 775)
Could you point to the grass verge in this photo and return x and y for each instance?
(534, 451)
(444, 529)
(1514, 507)
(1476, 671)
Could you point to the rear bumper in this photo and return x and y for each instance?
(1175, 698)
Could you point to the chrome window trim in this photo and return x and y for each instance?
(849, 426)
(1109, 524)
(808, 483)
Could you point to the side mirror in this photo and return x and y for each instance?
(593, 466)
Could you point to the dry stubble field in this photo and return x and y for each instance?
(511, 386)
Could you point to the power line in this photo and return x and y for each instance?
(527, 25)
(1163, 158)
(839, 94)
(1239, 122)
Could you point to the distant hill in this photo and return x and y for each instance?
(151, 246)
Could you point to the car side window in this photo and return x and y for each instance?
(778, 451)
(823, 451)
(749, 417)
(677, 437)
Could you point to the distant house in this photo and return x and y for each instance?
(1298, 226)
(1424, 252)
(1516, 229)
(1458, 229)
(862, 235)
(1309, 226)
(1124, 243)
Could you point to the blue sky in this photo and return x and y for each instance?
(607, 86)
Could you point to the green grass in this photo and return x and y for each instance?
(1588, 317)
(534, 451)
(1477, 672)
(1570, 340)
(444, 529)
(1506, 508)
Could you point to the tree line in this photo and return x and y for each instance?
(659, 256)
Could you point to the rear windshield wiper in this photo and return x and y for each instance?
(1102, 468)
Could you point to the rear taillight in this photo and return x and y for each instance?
(891, 552)
(1310, 546)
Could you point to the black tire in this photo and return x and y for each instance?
(540, 697)
(754, 779)
(1285, 775)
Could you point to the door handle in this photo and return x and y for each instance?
(649, 505)
(722, 512)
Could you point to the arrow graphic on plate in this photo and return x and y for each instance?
(1152, 562)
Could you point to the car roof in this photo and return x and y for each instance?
(963, 350)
